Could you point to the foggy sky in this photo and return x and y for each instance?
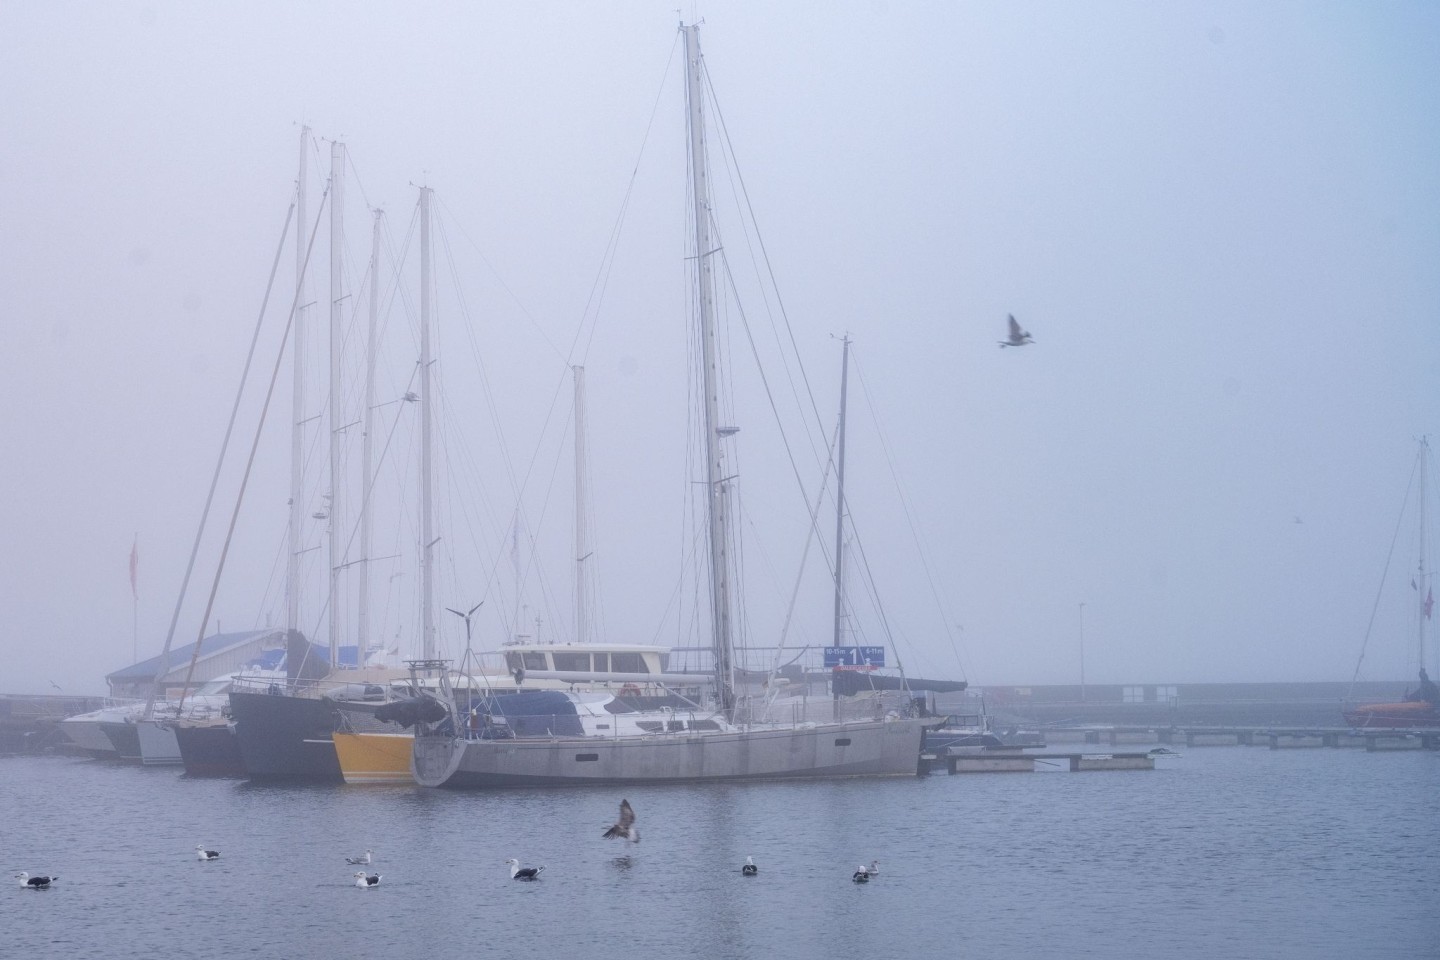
(1220, 221)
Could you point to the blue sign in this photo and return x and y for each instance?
(854, 658)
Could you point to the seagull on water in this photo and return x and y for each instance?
(364, 882)
(34, 883)
(518, 872)
(625, 827)
(1018, 337)
(749, 868)
(874, 868)
(202, 854)
(861, 874)
(360, 861)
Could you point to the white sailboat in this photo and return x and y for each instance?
(717, 747)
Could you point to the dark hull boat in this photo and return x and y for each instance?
(209, 750)
(286, 738)
(126, 739)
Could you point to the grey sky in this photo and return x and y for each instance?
(1220, 221)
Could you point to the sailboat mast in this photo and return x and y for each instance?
(1425, 587)
(840, 492)
(581, 551)
(427, 539)
(367, 456)
(704, 274)
(337, 230)
(297, 406)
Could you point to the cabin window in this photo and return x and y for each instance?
(582, 757)
(571, 661)
(650, 726)
(664, 659)
(842, 741)
(534, 660)
(513, 662)
(602, 726)
(704, 725)
(674, 725)
(627, 663)
(602, 663)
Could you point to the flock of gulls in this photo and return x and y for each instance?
(623, 828)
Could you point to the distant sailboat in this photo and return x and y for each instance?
(1419, 707)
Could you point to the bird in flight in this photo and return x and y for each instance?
(1018, 337)
(624, 828)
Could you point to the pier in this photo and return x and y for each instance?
(1276, 737)
(1003, 760)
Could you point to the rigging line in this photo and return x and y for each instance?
(255, 443)
(1383, 574)
(505, 286)
(909, 515)
(215, 477)
(607, 260)
(746, 223)
(769, 396)
(764, 252)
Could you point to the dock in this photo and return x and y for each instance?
(1276, 737)
(1013, 761)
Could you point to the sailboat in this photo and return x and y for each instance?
(1420, 707)
(721, 746)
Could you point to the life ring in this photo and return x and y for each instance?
(629, 690)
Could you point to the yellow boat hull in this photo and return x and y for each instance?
(375, 757)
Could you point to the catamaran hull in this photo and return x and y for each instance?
(157, 743)
(869, 749)
(87, 735)
(124, 738)
(209, 750)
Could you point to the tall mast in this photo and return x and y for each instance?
(840, 493)
(337, 421)
(581, 551)
(297, 405)
(427, 539)
(362, 633)
(1425, 586)
(716, 484)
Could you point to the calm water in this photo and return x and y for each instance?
(1226, 852)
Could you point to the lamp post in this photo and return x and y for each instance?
(1082, 651)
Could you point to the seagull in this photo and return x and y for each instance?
(364, 882)
(1018, 337)
(861, 874)
(749, 869)
(874, 868)
(34, 883)
(518, 872)
(202, 854)
(360, 861)
(625, 826)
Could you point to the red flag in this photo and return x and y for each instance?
(134, 566)
(1429, 602)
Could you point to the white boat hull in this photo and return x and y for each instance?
(875, 748)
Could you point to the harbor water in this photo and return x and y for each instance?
(1223, 852)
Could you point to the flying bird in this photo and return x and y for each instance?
(360, 861)
(861, 874)
(34, 883)
(749, 869)
(364, 882)
(202, 854)
(518, 872)
(1018, 337)
(625, 827)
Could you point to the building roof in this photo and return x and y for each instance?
(213, 644)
